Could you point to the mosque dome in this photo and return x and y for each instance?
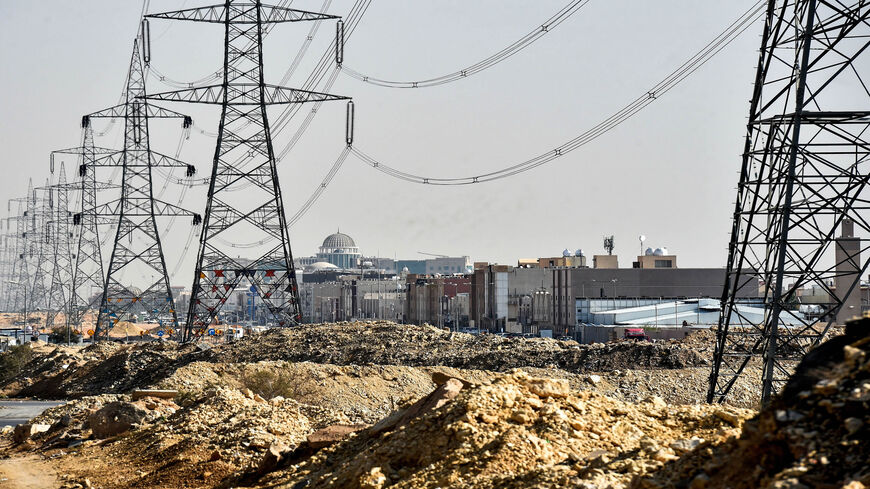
(338, 240)
(340, 250)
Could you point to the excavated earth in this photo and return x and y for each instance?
(631, 370)
(417, 406)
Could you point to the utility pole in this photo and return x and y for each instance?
(244, 159)
(137, 247)
(803, 175)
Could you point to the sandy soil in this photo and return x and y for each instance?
(27, 472)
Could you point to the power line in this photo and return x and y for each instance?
(700, 58)
(512, 49)
(320, 188)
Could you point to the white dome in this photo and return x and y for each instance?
(648, 252)
(319, 266)
(660, 252)
(579, 252)
(566, 252)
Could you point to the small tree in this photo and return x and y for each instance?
(61, 333)
(13, 360)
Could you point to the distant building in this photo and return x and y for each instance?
(569, 259)
(447, 265)
(529, 299)
(656, 258)
(438, 300)
(340, 250)
(605, 261)
(444, 265)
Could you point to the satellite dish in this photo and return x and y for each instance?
(642, 238)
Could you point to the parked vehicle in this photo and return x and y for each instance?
(637, 334)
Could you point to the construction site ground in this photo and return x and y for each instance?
(413, 406)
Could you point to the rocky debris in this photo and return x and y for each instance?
(385, 343)
(237, 428)
(332, 434)
(23, 432)
(157, 393)
(813, 435)
(103, 368)
(517, 431)
(439, 397)
(116, 418)
(273, 456)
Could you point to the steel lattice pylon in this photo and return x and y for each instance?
(137, 247)
(244, 160)
(804, 178)
(87, 283)
(42, 236)
(62, 263)
(19, 279)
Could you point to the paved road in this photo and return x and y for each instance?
(16, 412)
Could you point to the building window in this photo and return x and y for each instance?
(663, 264)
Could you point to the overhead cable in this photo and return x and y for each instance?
(512, 49)
(669, 82)
(323, 184)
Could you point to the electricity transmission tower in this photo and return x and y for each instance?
(60, 238)
(26, 227)
(42, 236)
(244, 198)
(87, 281)
(804, 179)
(18, 279)
(137, 248)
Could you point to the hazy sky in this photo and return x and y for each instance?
(668, 173)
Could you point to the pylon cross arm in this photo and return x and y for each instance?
(242, 13)
(245, 94)
(152, 112)
(81, 149)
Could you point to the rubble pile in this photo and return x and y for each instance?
(814, 435)
(385, 343)
(517, 431)
(239, 426)
(362, 393)
(106, 368)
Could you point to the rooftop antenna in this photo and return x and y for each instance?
(608, 244)
(641, 238)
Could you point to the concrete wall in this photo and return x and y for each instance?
(603, 334)
(605, 261)
(649, 261)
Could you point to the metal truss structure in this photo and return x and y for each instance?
(59, 240)
(18, 281)
(804, 177)
(137, 249)
(87, 282)
(41, 235)
(244, 197)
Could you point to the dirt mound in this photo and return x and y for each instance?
(104, 368)
(385, 343)
(123, 370)
(814, 435)
(517, 431)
